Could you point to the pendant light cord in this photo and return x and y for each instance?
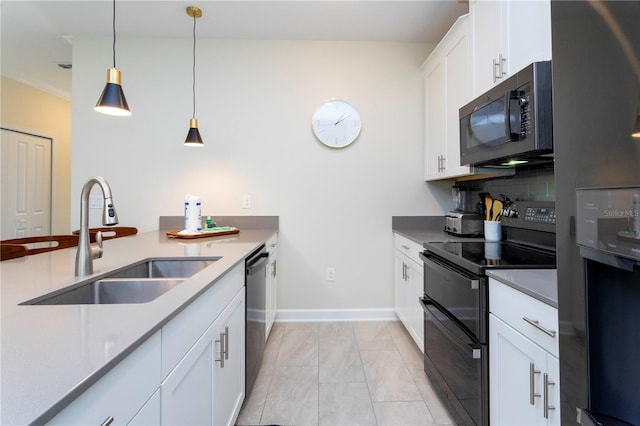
(194, 67)
(114, 33)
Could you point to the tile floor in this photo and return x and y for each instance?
(342, 373)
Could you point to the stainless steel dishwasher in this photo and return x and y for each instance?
(255, 280)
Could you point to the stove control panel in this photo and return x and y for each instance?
(534, 215)
(540, 214)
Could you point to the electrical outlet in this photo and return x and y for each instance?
(331, 274)
(246, 202)
(95, 201)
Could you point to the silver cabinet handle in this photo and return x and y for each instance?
(274, 268)
(537, 325)
(221, 341)
(495, 67)
(546, 384)
(108, 421)
(532, 384)
(501, 61)
(226, 342)
(404, 271)
(405, 247)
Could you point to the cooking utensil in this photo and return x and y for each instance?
(496, 210)
(488, 203)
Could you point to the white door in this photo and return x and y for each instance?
(26, 185)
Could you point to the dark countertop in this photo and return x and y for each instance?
(540, 284)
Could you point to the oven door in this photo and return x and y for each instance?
(458, 363)
(459, 292)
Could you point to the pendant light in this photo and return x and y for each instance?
(193, 137)
(112, 100)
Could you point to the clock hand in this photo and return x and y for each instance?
(341, 119)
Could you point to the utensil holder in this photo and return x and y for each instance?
(492, 230)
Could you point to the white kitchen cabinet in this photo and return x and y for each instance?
(228, 376)
(409, 287)
(524, 379)
(447, 85)
(506, 36)
(121, 393)
(189, 393)
(272, 283)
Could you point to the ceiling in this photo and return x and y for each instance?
(36, 36)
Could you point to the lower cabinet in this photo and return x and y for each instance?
(207, 385)
(190, 372)
(121, 396)
(524, 376)
(409, 287)
(272, 284)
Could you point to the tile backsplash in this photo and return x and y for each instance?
(528, 185)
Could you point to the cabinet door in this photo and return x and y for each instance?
(529, 33)
(187, 392)
(458, 93)
(402, 287)
(511, 380)
(228, 378)
(272, 284)
(488, 32)
(435, 148)
(553, 390)
(416, 278)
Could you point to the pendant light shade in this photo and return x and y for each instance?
(112, 100)
(193, 136)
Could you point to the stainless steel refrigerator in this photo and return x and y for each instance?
(596, 96)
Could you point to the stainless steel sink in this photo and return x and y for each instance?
(110, 291)
(163, 268)
(140, 282)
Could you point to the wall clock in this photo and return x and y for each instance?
(336, 123)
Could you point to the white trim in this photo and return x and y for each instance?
(320, 315)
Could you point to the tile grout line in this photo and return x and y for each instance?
(366, 380)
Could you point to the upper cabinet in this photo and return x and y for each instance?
(447, 83)
(506, 36)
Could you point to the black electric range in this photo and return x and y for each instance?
(456, 303)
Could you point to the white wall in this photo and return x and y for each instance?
(254, 105)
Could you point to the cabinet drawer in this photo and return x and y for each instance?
(186, 328)
(408, 247)
(521, 312)
(119, 394)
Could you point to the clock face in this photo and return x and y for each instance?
(336, 123)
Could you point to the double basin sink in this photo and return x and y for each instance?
(140, 282)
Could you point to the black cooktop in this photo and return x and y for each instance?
(477, 256)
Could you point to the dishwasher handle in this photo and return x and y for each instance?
(256, 263)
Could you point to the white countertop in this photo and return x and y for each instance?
(541, 284)
(51, 354)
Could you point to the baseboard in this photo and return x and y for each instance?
(319, 315)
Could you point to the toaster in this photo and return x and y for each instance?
(463, 224)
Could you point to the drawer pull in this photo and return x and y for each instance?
(226, 342)
(108, 421)
(532, 386)
(547, 383)
(405, 247)
(537, 325)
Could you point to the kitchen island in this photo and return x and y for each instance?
(51, 354)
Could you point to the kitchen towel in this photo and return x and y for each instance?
(192, 218)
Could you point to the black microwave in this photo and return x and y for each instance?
(511, 124)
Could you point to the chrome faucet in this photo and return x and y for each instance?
(87, 252)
